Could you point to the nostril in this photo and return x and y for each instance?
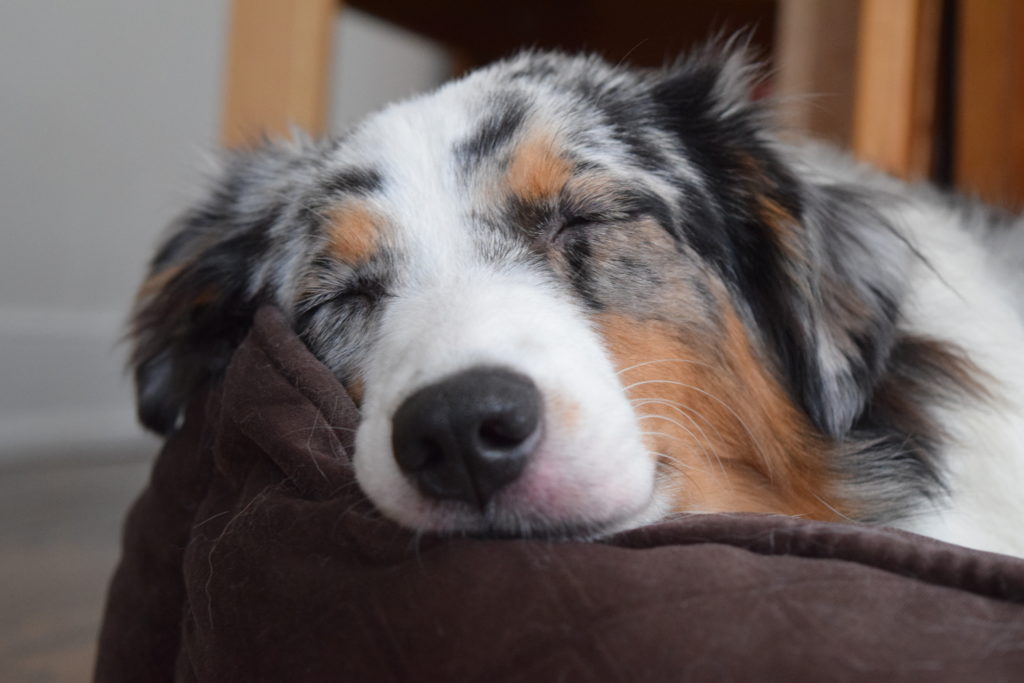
(416, 449)
(501, 434)
(424, 453)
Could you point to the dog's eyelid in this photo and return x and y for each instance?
(370, 294)
(326, 263)
(362, 288)
(607, 207)
(341, 303)
(577, 211)
(580, 220)
(576, 223)
(583, 218)
(310, 301)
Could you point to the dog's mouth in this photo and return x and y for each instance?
(504, 518)
(486, 452)
(551, 530)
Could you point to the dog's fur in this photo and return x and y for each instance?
(716, 321)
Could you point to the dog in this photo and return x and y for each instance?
(572, 298)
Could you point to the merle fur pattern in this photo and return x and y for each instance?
(819, 282)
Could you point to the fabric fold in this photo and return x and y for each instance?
(253, 556)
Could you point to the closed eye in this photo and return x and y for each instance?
(577, 222)
(361, 292)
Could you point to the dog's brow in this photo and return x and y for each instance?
(537, 170)
(354, 232)
(596, 193)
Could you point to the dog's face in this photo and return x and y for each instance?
(568, 298)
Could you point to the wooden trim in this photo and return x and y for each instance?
(278, 68)
(989, 151)
(897, 68)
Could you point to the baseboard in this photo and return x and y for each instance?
(62, 381)
(89, 432)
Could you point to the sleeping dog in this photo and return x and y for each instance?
(572, 298)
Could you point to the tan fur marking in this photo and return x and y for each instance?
(565, 411)
(204, 297)
(154, 283)
(590, 186)
(782, 224)
(729, 437)
(536, 170)
(356, 389)
(354, 233)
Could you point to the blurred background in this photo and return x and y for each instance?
(110, 110)
(112, 107)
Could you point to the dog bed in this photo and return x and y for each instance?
(253, 556)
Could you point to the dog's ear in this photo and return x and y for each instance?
(715, 81)
(813, 262)
(840, 302)
(204, 284)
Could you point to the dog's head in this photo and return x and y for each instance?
(568, 296)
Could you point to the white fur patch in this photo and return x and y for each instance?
(960, 293)
(591, 469)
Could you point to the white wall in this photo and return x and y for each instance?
(108, 109)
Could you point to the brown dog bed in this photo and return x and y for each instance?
(252, 556)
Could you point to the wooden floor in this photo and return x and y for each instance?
(60, 520)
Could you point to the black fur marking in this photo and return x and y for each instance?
(638, 203)
(578, 256)
(208, 217)
(310, 216)
(532, 219)
(494, 133)
(359, 181)
(891, 458)
(629, 121)
(637, 270)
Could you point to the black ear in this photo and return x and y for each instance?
(712, 84)
(204, 285)
(813, 262)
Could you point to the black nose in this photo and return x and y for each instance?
(468, 436)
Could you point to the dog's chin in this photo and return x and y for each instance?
(577, 529)
(508, 525)
(542, 504)
(505, 518)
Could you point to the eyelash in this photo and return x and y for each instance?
(359, 295)
(571, 224)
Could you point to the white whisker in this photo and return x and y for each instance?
(689, 412)
(750, 433)
(707, 447)
(837, 512)
(663, 360)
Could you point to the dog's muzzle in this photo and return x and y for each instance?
(468, 436)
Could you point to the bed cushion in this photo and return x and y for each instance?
(252, 555)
